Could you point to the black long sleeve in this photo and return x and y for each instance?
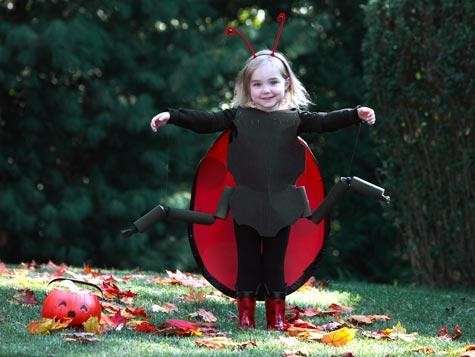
(323, 122)
(201, 121)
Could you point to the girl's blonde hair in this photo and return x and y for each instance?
(296, 96)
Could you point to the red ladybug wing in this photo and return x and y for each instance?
(214, 246)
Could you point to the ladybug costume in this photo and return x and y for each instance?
(258, 217)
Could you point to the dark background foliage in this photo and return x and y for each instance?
(80, 81)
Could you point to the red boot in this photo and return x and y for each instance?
(246, 305)
(275, 312)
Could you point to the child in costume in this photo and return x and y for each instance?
(267, 116)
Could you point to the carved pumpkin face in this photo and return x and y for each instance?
(79, 306)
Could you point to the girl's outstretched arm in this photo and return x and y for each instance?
(195, 120)
(338, 119)
(321, 122)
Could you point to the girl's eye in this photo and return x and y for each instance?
(256, 85)
(274, 83)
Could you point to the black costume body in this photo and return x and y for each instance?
(265, 160)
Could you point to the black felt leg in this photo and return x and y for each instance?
(273, 256)
(249, 259)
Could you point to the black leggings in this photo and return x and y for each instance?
(260, 259)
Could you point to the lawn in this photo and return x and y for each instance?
(419, 310)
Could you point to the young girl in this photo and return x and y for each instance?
(267, 116)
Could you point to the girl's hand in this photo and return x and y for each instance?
(159, 120)
(367, 115)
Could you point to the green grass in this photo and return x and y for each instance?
(420, 310)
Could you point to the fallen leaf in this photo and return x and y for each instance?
(25, 297)
(45, 326)
(185, 279)
(56, 270)
(179, 328)
(468, 351)
(331, 326)
(87, 269)
(111, 307)
(204, 315)
(112, 291)
(166, 308)
(209, 329)
(131, 312)
(305, 334)
(92, 325)
(29, 265)
(118, 321)
(444, 335)
(367, 319)
(339, 337)
(428, 350)
(3, 269)
(81, 337)
(294, 354)
(107, 324)
(336, 310)
(223, 342)
(194, 296)
(146, 327)
(396, 332)
(304, 324)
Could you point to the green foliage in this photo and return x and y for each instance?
(418, 71)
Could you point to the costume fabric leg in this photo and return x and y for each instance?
(249, 273)
(260, 259)
(273, 256)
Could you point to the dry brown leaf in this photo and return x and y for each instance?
(331, 326)
(25, 297)
(54, 269)
(204, 315)
(194, 296)
(336, 310)
(428, 350)
(81, 337)
(3, 269)
(185, 279)
(396, 332)
(223, 342)
(295, 354)
(166, 308)
(367, 319)
(339, 337)
(87, 269)
(45, 326)
(468, 351)
(444, 334)
(305, 334)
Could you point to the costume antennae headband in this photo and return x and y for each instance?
(232, 31)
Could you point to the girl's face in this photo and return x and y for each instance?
(267, 87)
